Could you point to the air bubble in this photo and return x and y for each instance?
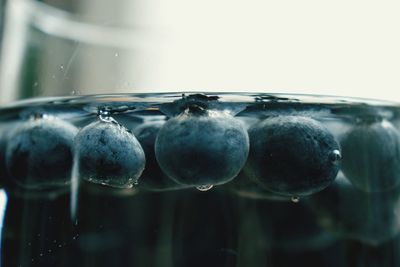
(61, 67)
(336, 156)
(295, 199)
(204, 188)
(116, 55)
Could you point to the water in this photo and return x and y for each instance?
(321, 188)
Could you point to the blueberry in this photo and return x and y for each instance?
(284, 225)
(153, 178)
(292, 155)
(202, 147)
(371, 156)
(108, 154)
(348, 212)
(39, 153)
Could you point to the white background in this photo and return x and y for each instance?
(341, 47)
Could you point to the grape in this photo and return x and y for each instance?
(292, 155)
(39, 153)
(153, 177)
(371, 156)
(108, 154)
(202, 147)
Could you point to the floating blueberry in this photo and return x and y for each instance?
(108, 154)
(292, 155)
(348, 212)
(202, 147)
(39, 153)
(153, 177)
(371, 156)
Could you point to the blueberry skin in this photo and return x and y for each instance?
(39, 153)
(371, 156)
(346, 211)
(153, 178)
(292, 155)
(209, 148)
(108, 154)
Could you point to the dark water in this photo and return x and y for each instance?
(200, 180)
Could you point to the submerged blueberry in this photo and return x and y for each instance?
(153, 178)
(39, 153)
(108, 154)
(202, 148)
(348, 212)
(292, 155)
(286, 225)
(371, 156)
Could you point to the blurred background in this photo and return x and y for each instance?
(72, 47)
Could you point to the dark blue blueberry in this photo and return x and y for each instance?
(39, 153)
(371, 156)
(202, 148)
(108, 154)
(292, 155)
(348, 212)
(153, 178)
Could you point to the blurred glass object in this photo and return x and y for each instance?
(71, 49)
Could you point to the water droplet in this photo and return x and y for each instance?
(295, 199)
(116, 55)
(41, 254)
(61, 67)
(35, 84)
(105, 115)
(336, 156)
(204, 188)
